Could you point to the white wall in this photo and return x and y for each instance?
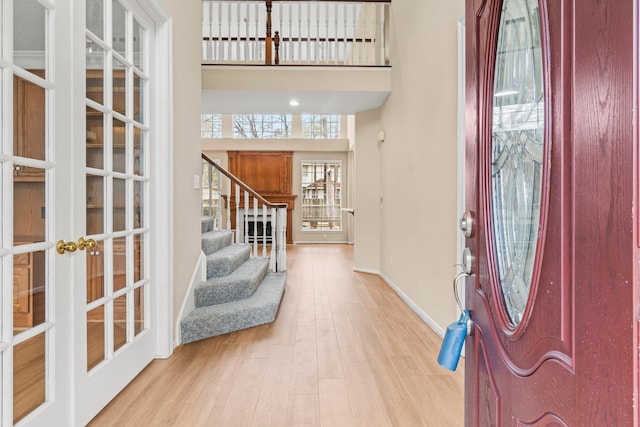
(418, 157)
(186, 143)
(368, 175)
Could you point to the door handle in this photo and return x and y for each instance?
(455, 288)
(62, 247)
(89, 244)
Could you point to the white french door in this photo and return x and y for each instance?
(114, 335)
(35, 346)
(78, 160)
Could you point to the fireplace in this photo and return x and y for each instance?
(260, 230)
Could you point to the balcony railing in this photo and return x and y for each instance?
(330, 32)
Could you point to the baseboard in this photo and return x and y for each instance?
(366, 270)
(316, 242)
(188, 304)
(421, 314)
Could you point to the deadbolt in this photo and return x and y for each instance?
(466, 224)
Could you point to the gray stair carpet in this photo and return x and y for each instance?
(213, 241)
(223, 261)
(207, 224)
(219, 319)
(239, 284)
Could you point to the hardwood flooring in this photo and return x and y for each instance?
(344, 351)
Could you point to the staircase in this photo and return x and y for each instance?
(239, 292)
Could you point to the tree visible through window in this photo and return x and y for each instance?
(321, 126)
(211, 126)
(261, 126)
(321, 195)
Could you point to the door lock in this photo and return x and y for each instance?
(466, 224)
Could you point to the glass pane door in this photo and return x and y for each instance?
(115, 178)
(33, 343)
(117, 282)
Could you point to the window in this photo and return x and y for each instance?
(211, 126)
(261, 126)
(321, 126)
(321, 195)
(211, 191)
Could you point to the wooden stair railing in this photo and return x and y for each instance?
(256, 218)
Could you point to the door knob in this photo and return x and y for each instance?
(89, 244)
(467, 261)
(62, 247)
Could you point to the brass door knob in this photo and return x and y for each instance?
(86, 243)
(62, 247)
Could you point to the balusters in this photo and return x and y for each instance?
(237, 212)
(254, 250)
(279, 12)
(276, 42)
(327, 43)
(346, 34)
(274, 240)
(228, 204)
(317, 55)
(310, 32)
(289, 49)
(299, 33)
(264, 230)
(246, 217)
(209, 186)
(247, 39)
(281, 255)
(271, 217)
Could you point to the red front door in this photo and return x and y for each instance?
(550, 192)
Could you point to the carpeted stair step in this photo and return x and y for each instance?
(213, 241)
(207, 224)
(259, 309)
(222, 262)
(240, 284)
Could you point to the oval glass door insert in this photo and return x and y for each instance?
(517, 149)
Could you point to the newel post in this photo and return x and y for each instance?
(268, 40)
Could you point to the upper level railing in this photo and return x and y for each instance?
(296, 32)
(253, 219)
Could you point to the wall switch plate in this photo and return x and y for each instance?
(196, 182)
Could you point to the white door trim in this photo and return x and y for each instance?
(162, 191)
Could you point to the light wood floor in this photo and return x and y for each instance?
(343, 351)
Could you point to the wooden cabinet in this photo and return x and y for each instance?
(28, 290)
(269, 174)
(29, 141)
(29, 119)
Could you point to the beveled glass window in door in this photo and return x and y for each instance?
(517, 152)
(117, 178)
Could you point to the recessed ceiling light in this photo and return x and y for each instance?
(294, 103)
